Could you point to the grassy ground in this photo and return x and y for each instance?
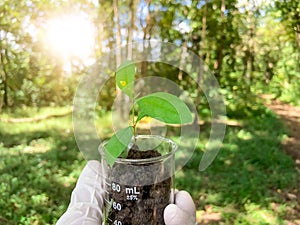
(247, 183)
(252, 181)
(39, 164)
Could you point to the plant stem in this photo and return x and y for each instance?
(133, 121)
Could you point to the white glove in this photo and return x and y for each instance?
(87, 198)
(183, 212)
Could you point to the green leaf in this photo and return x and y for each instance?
(125, 77)
(117, 144)
(164, 107)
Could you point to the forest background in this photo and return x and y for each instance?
(251, 47)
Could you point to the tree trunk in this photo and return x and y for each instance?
(182, 61)
(132, 10)
(219, 62)
(147, 34)
(120, 99)
(202, 55)
(298, 42)
(203, 31)
(118, 33)
(100, 30)
(3, 53)
(252, 51)
(251, 56)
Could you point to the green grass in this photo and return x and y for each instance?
(248, 177)
(33, 111)
(40, 163)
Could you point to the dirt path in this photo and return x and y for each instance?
(290, 115)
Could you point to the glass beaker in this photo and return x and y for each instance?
(140, 184)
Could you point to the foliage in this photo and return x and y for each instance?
(162, 106)
(40, 163)
(251, 47)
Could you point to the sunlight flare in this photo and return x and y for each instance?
(71, 35)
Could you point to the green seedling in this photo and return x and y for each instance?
(162, 106)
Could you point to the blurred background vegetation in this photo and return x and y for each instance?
(252, 47)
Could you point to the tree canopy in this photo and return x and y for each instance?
(251, 47)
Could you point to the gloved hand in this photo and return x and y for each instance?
(183, 212)
(87, 200)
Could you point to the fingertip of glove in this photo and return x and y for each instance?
(171, 208)
(170, 213)
(184, 201)
(183, 194)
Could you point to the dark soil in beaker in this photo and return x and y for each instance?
(134, 204)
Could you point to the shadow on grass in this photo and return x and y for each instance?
(250, 169)
(25, 138)
(38, 170)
